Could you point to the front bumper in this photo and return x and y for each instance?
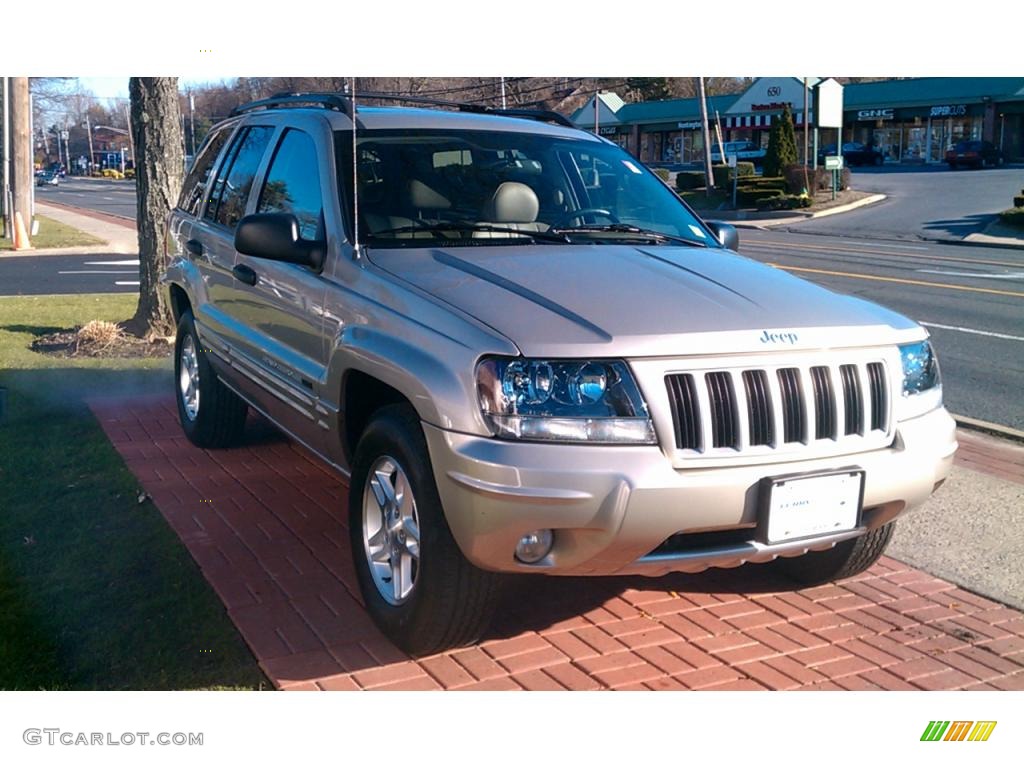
(612, 507)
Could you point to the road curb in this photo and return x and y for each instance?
(796, 218)
(989, 428)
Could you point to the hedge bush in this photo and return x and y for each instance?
(661, 173)
(816, 179)
(1013, 216)
(1018, 201)
(784, 202)
(687, 180)
(746, 197)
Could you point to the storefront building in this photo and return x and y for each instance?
(914, 120)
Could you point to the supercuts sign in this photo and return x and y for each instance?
(949, 110)
(875, 114)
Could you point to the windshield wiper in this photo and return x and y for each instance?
(632, 229)
(443, 230)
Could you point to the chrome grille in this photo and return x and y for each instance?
(771, 408)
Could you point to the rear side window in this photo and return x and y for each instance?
(191, 199)
(238, 171)
(293, 183)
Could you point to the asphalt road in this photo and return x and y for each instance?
(43, 275)
(106, 195)
(971, 299)
(924, 202)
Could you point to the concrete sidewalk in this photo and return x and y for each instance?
(118, 234)
(998, 233)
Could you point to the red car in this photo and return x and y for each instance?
(974, 154)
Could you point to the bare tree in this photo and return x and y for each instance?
(159, 160)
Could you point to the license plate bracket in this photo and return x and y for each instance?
(811, 504)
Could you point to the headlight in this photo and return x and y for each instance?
(563, 400)
(922, 390)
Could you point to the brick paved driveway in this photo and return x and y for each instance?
(266, 524)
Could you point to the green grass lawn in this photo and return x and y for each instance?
(96, 590)
(54, 234)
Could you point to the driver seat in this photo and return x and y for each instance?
(513, 205)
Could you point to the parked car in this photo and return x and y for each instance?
(48, 179)
(854, 153)
(974, 154)
(527, 355)
(746, 151)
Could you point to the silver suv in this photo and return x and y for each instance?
(527, 355)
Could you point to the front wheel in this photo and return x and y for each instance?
(845, 559)
(417, 585)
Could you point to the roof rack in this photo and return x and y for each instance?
(342, 103)
(543, 115)
(333, 101)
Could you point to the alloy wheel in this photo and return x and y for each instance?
(391, 534)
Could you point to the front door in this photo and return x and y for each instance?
(284, 309)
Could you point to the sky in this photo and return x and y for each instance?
(117, 87)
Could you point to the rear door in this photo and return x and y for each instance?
(182, 237)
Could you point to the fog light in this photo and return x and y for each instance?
(534, 546)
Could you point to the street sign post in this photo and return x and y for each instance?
(834, 163)
(731, 162)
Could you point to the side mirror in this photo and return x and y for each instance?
(726, 234)
(276, 236)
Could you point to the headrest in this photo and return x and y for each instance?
(512, 203)
(422, 196)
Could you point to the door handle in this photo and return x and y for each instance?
(194, 247)
(245, 274)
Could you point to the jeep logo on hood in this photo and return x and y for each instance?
(780, 337)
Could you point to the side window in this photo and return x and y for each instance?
(237, 173)
(191, 199)
(293, 183)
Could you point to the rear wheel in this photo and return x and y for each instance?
(845, 559)
(417, 585)
(211, 415)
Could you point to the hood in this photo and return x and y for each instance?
(640, 301)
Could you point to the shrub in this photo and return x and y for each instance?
(781, 150)
(1014, 216)
(784, 202)
(756, 182)
(746, 197)
(1018, 201)
(815, 180)
(661, 173)
(687, 180)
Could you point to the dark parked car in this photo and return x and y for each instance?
(974, 154)
(854, 153)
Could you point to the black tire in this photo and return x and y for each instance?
(451, 601)
(845, 559)
(219, 418)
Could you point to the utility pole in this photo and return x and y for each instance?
(21, 149)
(192, 116)
(88, 128)
(709, 174)
(131, 139)
(6, 202)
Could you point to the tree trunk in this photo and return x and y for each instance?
(159, 166)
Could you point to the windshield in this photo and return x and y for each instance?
(458, 186)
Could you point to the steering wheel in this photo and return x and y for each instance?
(581, 213)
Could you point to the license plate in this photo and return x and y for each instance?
(800, 506)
